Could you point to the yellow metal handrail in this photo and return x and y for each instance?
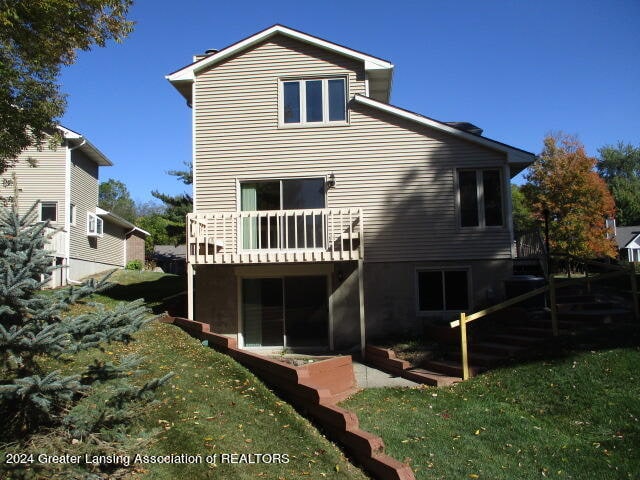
(551, 287)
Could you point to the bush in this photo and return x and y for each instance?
(134, 265)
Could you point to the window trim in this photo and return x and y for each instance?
(480, 199)
(303, 106)
(99, 232)
(73, 215)
(455, 268)
(42, 203)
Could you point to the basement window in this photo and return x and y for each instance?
(442, 290)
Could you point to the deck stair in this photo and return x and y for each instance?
(521, 333)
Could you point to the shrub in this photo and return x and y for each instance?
(134, 265)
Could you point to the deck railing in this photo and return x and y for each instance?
(56, 241)
(327, 234)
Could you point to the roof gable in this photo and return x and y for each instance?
(379, 71)
(516, 157)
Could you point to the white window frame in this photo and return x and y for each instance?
(480, 199)
(73, 214)
(40, 210)
(451, 268)
(98, 230)
(303, 102)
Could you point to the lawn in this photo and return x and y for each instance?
(211, 406)
(576, 416)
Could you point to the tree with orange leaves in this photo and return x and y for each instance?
(563, 181)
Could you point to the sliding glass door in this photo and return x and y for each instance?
(265, 231)
(285, 312)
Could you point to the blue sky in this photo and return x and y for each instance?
(517, 69)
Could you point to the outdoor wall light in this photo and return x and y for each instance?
(331, 181)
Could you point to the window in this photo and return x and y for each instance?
(443, 290)
(313, 101)
(48, 211)
(269, 231)
(94, 225)
(480, 198)
(72, 214)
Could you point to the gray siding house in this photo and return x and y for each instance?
(325, 216)
(63, 182)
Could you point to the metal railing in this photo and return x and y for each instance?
(551, 287)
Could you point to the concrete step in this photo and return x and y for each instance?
(429, 377)
(514, 340)
(542, 331)
(479, 358)
(493, 348)
(587, 306)
(451, 368)
(607, 315)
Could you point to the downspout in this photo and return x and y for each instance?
(68, 254)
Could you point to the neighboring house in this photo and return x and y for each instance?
(64, 185)
(171, 258)
(628, 240)
(323, 215)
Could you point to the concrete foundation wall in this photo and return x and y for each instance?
(79, 269)
(216, 298)
(390, 294)
(391, 304)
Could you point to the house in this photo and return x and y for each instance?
(628, 240)
(324, 215)
(171, 258)
(64, 185)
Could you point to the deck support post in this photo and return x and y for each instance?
(190, 291)
(463, 346)
(634, 291)
(554, 305)
(361, 298)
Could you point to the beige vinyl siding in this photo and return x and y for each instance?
(402, 174)
(84, 195)
(107, 249)
(45, 183)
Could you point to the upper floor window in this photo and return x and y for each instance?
(48, 211)
(72, 214)
(94, 225)
(313, 101)
(480, 198)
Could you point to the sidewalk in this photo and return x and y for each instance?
(367, 377)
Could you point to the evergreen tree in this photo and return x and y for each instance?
(36, 328)
(177, 207)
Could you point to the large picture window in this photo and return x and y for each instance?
(480, 198)
(313, 101)
(442, 290)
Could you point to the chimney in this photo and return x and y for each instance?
(210, 51)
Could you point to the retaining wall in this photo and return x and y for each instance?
(314, 388)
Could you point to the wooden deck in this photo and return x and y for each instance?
(275, 236)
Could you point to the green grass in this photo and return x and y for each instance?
(132, 284)
(214, 405)
(575, 417)
(211, 406)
